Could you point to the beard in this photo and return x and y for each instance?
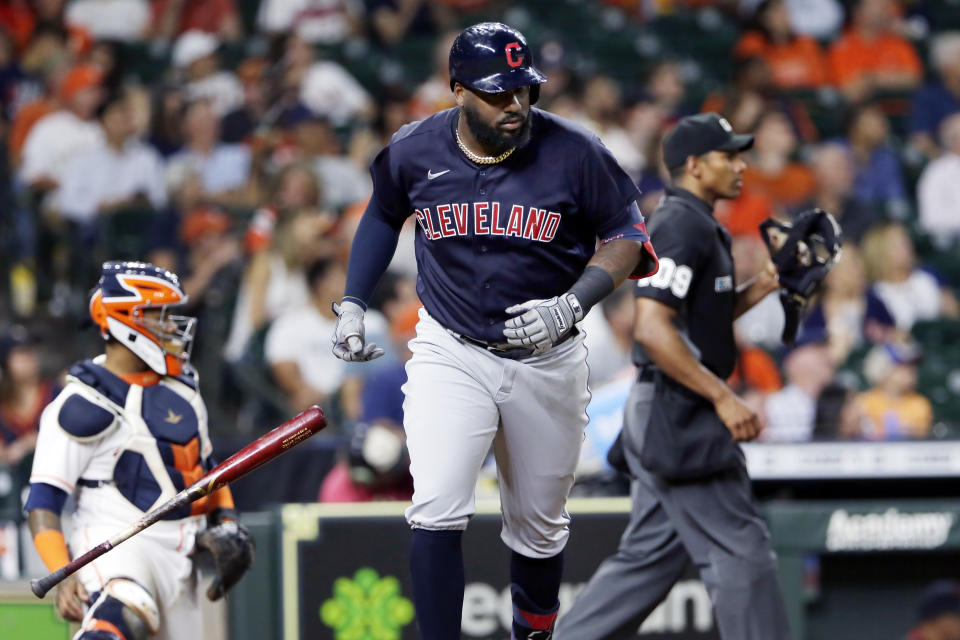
(495, 141)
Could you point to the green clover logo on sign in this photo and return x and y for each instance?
(367, 608)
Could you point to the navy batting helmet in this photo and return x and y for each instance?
(492, 57)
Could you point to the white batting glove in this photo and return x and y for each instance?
(348, 339)
(542, 323)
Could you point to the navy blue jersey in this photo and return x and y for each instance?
(492, 236)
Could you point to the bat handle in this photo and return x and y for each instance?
(40, 586)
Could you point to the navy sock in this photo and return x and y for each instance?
(535, 586)
(538, 577)
(436, 566)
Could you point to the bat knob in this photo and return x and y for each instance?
(38, 589)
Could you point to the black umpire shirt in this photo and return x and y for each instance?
(695, 278)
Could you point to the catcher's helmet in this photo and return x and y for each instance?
(492, 57)
(117, 305)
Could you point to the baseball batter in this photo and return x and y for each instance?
(129, 431)
(511, 203)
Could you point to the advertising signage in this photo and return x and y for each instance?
(346, 576)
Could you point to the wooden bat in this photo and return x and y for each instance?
(259, 452)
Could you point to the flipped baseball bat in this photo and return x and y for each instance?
(259, 452)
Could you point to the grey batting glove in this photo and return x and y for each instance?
(542, 323)
(348, 340)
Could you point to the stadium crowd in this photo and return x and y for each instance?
(229, 140)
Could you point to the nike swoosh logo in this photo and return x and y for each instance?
(431, 175)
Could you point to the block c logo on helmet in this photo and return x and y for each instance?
(511, 60)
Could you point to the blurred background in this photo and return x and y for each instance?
(229, 141)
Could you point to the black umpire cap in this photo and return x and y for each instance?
(700, 134)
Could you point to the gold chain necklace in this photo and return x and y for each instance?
(482, 159)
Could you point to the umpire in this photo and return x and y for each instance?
(691, 493)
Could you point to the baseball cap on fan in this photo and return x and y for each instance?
(700, 134)
(191, 46)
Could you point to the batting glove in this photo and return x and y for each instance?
(542, 323)
(348, 339)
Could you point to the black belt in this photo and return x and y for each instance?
(647, 373)
(507, 351)
(93, 484)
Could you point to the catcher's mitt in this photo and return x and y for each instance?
(232, 549)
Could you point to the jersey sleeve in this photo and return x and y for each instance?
(388, 192)
(682, 252)
(608, 194)
(61, 457)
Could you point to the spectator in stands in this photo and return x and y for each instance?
(667, 88)
(756, 375)
(294, 189)
(849, 310)
(796, 62)
(26, 20)
(393, 297)
(324, 86)
(166, 119)
(609, 336)
(210, 264)
(119, 172)
(11, 76)
(323, 22)
(834, 175)
(37, 95)
(249, 122)
(895, 408)
(376, 464)
(206, 170)
(790, 412)
(840, 415)
(59, 136)
(195, 58)
(393, 21)
(938, 191)
(878, 178)
(762, 324)
(275, 280)
(116, 20)
(434, 93)
(909, 292)
(933, 103)
(297, 347)
(172, 18)
(871, 56)
(16, 18)
(205, 233)
(938, 612)
(24, 393)
(772, 170)
(751, 94)
(654, 177)
(820, 19)
(602, 107)
(342, 181)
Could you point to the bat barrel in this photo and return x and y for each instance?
(266, 448)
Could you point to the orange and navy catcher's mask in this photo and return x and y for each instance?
(122, 306)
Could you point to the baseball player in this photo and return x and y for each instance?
(511, 202)
(129, 431)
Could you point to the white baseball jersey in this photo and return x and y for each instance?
(125, 449)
